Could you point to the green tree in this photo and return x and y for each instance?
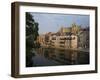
(31, 37)
(31, 31)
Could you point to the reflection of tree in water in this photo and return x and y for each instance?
(83, 58)
(29, 59)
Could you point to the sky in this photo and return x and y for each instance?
(52, 22)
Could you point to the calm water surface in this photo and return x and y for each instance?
(54, 57)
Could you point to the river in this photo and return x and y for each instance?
(56, 57)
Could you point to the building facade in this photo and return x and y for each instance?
(66, 38)
(66, 41)
(83, 38)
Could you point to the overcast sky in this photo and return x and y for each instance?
(53, 22)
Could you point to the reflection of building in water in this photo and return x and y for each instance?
(62, 56)
(74, 57)
(40, 51)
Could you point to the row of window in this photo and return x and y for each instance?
(68, 38)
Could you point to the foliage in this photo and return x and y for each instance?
(31, 31)
(31, 37)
